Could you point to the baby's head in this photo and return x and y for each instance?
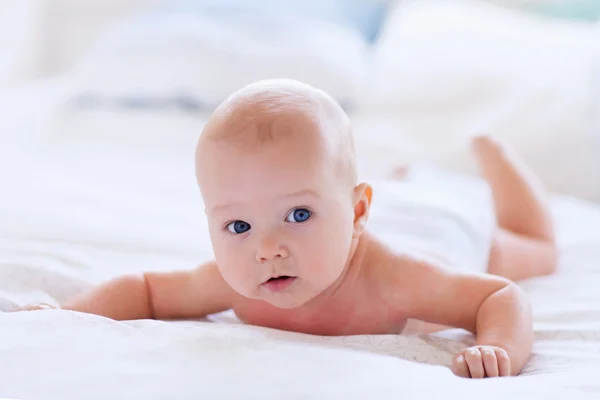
(277, 172)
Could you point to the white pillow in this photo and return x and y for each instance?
(443, 72)
(207, 58)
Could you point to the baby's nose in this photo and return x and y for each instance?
(270, 249)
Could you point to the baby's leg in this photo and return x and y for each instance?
(523, 246)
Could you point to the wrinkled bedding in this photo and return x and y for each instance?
(79, 210)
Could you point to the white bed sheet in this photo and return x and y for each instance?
(93, 201)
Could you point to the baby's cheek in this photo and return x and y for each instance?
(236, 278)
(327, 256)
(231, 265)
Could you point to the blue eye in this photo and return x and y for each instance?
(298, 215)
(238, 227)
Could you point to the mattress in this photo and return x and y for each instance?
(79, 213)
(88, 196)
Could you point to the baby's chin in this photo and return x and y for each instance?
(287, 300)
(290, 298)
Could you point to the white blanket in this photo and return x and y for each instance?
(84, 210)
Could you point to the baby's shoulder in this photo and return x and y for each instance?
(397, 267)
(392, 277)
(378, 250)
(383, 261)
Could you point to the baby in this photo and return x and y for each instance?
(287, 219)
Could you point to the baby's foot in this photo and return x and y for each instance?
(487, 149)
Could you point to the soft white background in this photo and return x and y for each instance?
(90, 193)
(438, 74)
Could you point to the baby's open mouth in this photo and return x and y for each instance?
(279, 283)
(280, 278)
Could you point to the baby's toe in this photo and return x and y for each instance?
(487, 145)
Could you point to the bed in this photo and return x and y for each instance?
(89, 193)
(78, 209)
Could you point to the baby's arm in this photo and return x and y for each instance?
(493, 308)
(183, 294)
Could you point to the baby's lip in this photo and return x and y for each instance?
(275, 276)
(277, 283)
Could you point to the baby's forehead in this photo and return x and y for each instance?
(265, 177)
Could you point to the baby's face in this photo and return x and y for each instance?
(280, 225)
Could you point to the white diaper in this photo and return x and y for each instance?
(436, 214)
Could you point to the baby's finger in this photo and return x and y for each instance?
(25, 308)
(41, 306)
(473, 357)
(490, 363)
(460, 367)
(503, 362)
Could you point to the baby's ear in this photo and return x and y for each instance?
(363, 194)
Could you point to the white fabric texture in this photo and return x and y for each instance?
(425, 216)
(97, 201)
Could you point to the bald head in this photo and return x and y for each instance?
(272, 111)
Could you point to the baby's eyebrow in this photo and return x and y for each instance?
(303, 192)
(299, 193)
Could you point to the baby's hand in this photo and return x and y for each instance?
(40, 306)
(481, 362)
